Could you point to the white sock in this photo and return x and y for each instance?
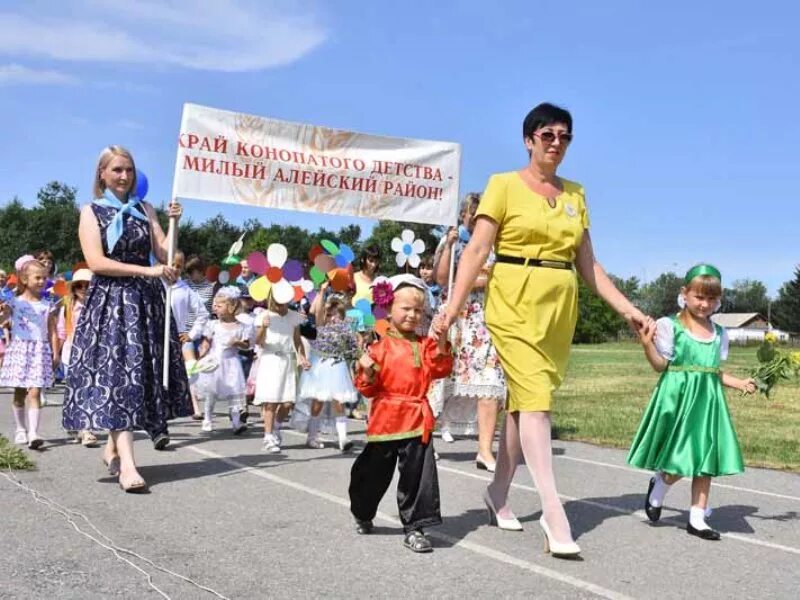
(33, 421)
(235, 420)
(660, 490)
(341, 429)
(208, 410)
(697, 517)
(313, 428)
(19, 418)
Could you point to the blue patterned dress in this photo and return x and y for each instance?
(114, 379)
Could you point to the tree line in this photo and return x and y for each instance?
(52, 223)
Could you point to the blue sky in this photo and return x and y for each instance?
(686, 134)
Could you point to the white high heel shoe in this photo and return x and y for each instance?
(558, 549)
(511, 524)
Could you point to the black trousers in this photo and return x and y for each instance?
(417, 488)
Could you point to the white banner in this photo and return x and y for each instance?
(232, 157)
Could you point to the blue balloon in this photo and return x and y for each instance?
(141, 185)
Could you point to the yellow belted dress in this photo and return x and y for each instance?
(531, 311)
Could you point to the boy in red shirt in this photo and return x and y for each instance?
(396, 373)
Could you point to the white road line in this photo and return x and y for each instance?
(640, 514)
(633, 470)
(480, 549)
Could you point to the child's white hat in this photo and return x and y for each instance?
(229, 292)
(22, 261)
(406, 279)
(81, 275)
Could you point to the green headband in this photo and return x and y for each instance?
(699, 270)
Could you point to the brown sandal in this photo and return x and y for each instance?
(88, 439)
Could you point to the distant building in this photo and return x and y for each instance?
(747, 327)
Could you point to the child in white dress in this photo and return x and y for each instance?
(329, 381)
(222, 340)
(29, 361)
(278, 336)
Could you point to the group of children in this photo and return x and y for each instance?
(685, 432)
(285, 358)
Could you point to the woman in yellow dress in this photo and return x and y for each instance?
(538, 225)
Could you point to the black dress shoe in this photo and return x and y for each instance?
(653, 512)
(363, 527)
(703, 534)
(161, 441)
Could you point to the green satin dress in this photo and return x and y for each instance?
(687, 429)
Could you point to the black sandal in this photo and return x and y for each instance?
(416, 541)
(363, 527)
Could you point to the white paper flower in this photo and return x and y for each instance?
(408, 249)
(272, 269)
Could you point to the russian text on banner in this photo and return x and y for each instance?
(232, 157)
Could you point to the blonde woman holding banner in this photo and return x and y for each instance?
(115, 374)
(538, 225)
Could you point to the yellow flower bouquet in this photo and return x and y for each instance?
(775, 365)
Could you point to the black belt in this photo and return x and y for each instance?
(534, 262)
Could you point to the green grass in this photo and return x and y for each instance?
(608, 386)
(13, 458)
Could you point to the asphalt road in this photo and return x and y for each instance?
(243, 524)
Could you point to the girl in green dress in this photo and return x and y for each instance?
(686, 430)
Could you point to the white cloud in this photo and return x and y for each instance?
(214, 35)
(18, 74)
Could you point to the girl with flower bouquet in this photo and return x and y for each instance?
(328, 381)
(686, 430)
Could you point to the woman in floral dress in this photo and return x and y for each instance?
(477, 388)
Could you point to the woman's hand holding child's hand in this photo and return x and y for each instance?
(647, 333)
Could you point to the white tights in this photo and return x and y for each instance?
(527, 435)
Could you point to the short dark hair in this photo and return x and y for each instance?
(42, 255)
(371, 251)
(195, 263)
(543, 115)
(426, 262)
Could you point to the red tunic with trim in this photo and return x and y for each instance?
(399, 389)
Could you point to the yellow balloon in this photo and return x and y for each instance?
(259, 289)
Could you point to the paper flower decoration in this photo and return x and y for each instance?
(284, 278)
(408, 249)
(382, 293)
(225, 275)
(373, 315)
(233, 254)
(303, 287)
(332, 262)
